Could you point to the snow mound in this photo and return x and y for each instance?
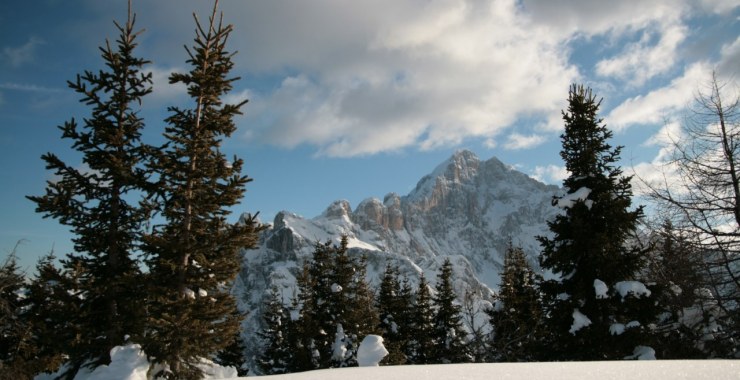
(371, 351)
(642, 353)
(579, 321)
(580, 195)
(601, 289)
(129, 362)
(636, 288)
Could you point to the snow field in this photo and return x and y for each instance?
(622, 370)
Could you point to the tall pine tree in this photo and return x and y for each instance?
(598, 309)
(194, 255)
(97, 199)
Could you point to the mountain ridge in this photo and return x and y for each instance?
(466, 210)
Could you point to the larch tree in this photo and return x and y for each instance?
(193, 255)
(701, 198)
(100, 199)
(597, 307)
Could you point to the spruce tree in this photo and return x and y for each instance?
(233, 354)
(276, 354)
(337, 308)
(318, 313)
(516, 318)
(392, 308)
(361, 316)
(598, 309)
(420, 349)
(193, 255)
(17, 348)
(448, 334)
(55, 312)
(97, 199)
(678, 273)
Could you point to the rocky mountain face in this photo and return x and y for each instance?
(466, 210)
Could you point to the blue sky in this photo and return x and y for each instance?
(355, 99)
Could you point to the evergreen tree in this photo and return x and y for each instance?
(17, 349)
(55, 312)
(277, 354)
(448, 334)
(677, 270)
(297, 337)
(597, 308)
(194, 254)
(95, 199)
(420, 349)
(360, 317)
(318, 314)
(337, 307)
(517, 315)
(392, 308)
(233, 354)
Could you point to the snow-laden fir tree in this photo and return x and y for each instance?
(420, 348)
(516, 318)
(276, 355)
(193, 255)
(317, 320)
(337, 307)
(448, 333)
(360, 317)
(598, 308)
(393, 305)
(99, 198)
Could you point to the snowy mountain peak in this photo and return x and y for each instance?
(466, 210)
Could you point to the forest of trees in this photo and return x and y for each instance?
(155, 256)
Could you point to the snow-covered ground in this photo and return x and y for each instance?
(623, 370)
(129, 363)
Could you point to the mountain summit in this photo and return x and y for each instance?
(466, 210)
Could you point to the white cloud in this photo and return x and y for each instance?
(588, 17)
(727, 67)
(28, 87)
(517, 141)
(640, 61)
(357, 78)
(660, 104)
(162, 90)
(17, 56)
(551, 174)
(658, 173)
(446, 72)
(719, 6)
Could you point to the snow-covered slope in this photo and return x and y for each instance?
(466, 210)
